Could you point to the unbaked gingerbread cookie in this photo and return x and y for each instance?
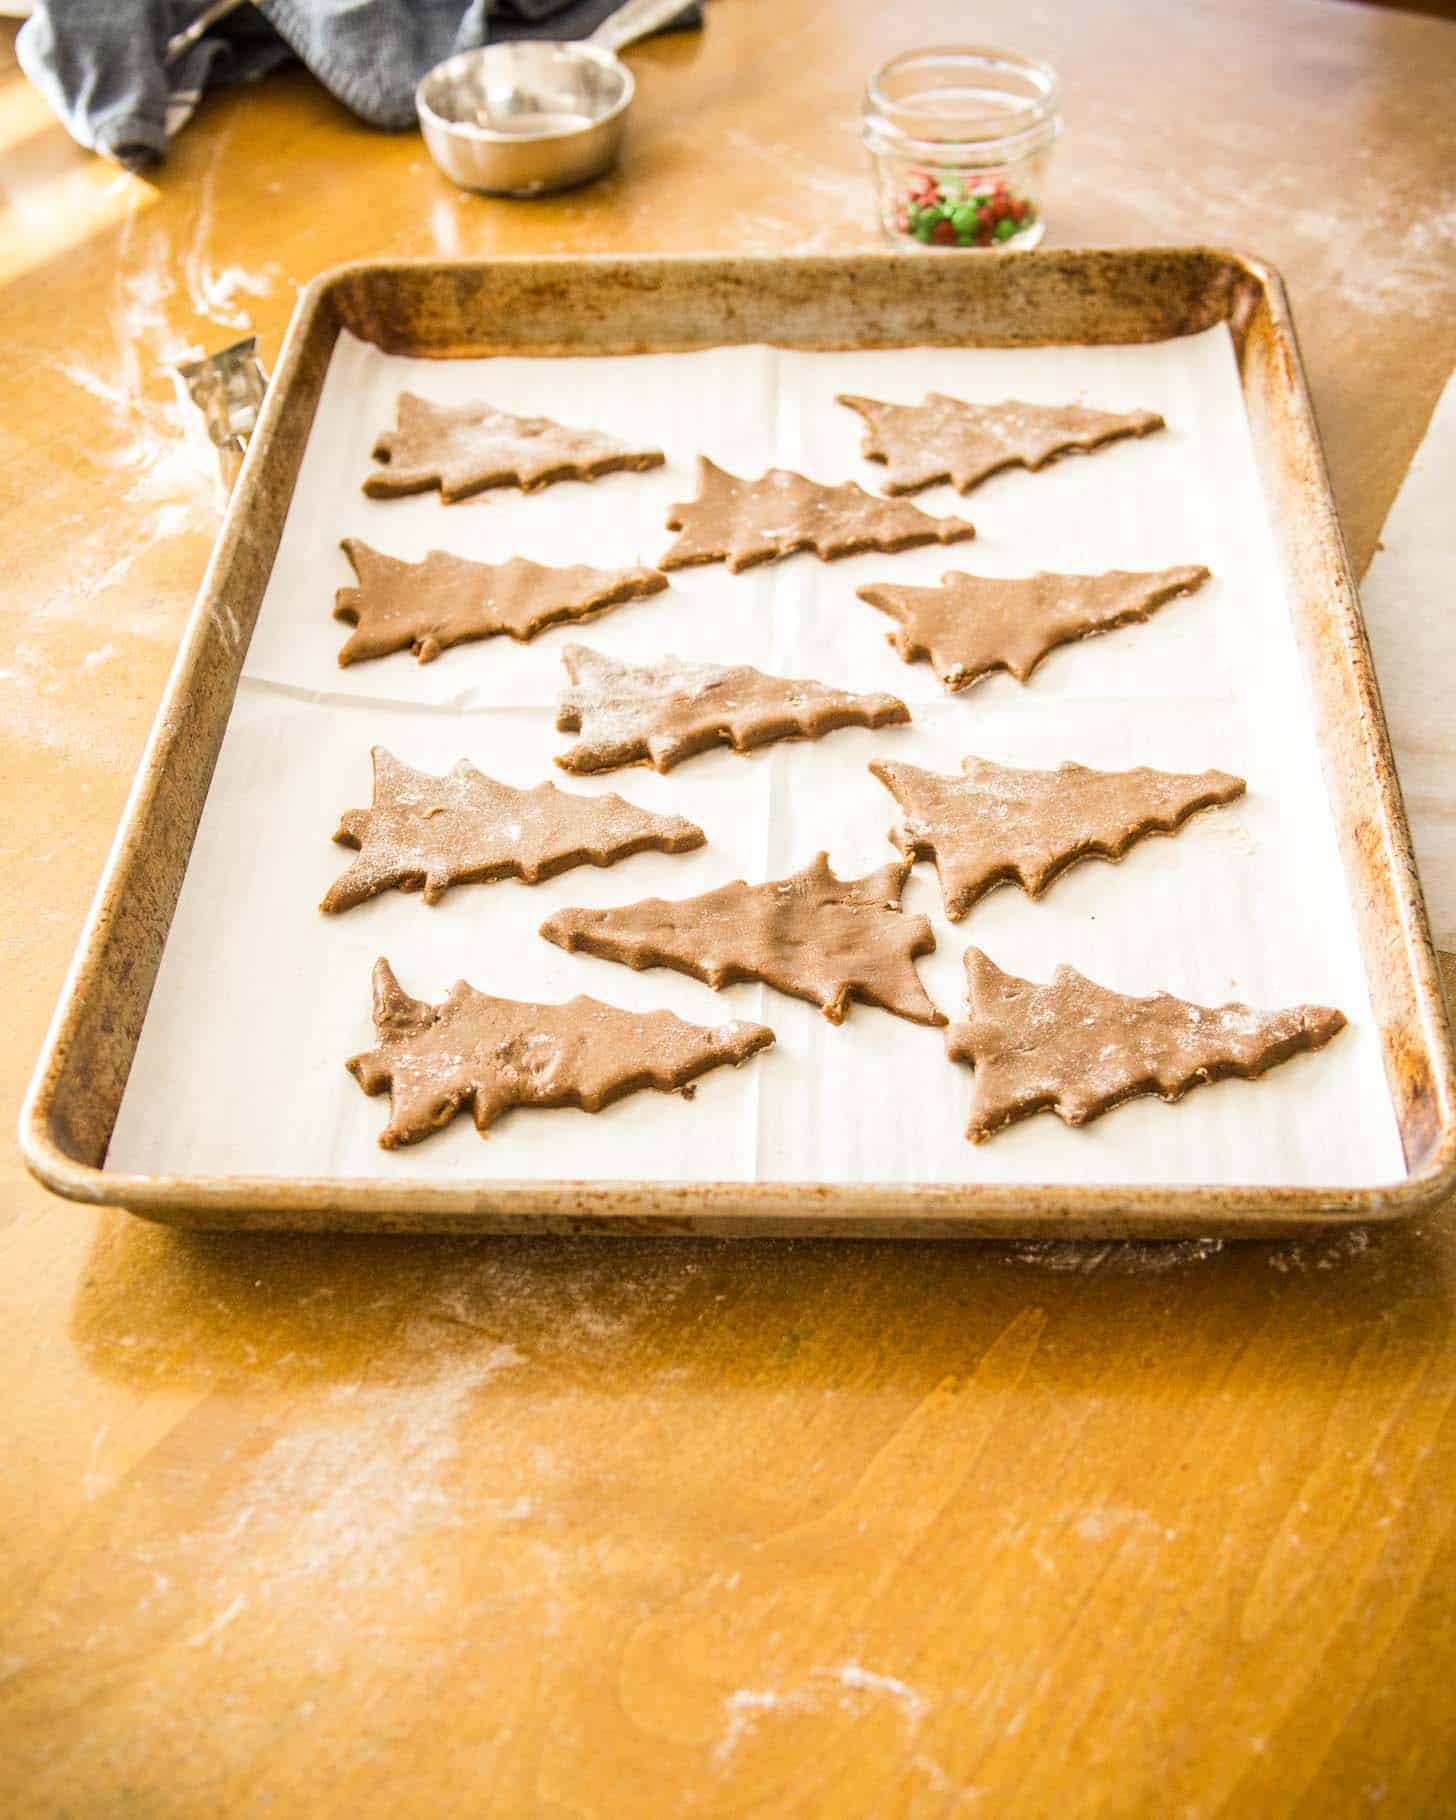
(465, 448)
(490, 1054)
(973, 624)
(660, 714)
(1078, 1049)
(947, 439)
(996, 824)
(426, 833)
(826, 939)
(446, 600)
(743, 522)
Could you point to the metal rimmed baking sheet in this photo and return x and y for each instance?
(1053, 304)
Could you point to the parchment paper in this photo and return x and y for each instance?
(261, 998)
(1406, 597)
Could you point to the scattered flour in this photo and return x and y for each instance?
(743, 1708)
(216, 293)
(1156, 1257)
(218, 1624)
(1112, 1257)
(1408, 272)
(1324, 1254)
(746, 1707)
(914, 1705)
(1105, 1520)
(346, 1494)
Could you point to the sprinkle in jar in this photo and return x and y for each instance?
(961, 141)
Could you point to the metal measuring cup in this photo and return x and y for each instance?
(527, 118)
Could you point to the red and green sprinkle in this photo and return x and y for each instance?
(956, 211)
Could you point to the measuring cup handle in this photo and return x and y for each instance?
(637, 19)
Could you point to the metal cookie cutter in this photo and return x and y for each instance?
(227, 390)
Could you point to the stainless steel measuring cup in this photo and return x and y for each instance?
(526, 118)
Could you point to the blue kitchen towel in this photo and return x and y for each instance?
(105, 67)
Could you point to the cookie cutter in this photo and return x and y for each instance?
(226, 390)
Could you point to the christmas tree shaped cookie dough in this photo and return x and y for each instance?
(826, 939)
(660, 714)
(490, 1054)
(999, 825)
(743, 522)
(1078, 1049)
(447, 600)
(463, 449)
(946, 439)
(428, 833)
(973, 624)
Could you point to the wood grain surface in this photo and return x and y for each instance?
(570, 1529)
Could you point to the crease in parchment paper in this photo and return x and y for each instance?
(260, 998)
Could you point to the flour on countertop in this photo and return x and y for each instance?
(1317, 1254)
(746, 1707)
(1112, 1257)
(215, 293)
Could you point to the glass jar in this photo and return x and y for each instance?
(960, 140)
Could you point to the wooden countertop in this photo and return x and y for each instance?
(563, 1528)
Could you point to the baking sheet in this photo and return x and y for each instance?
(260, 998)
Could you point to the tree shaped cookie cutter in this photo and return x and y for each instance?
(223, 394)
